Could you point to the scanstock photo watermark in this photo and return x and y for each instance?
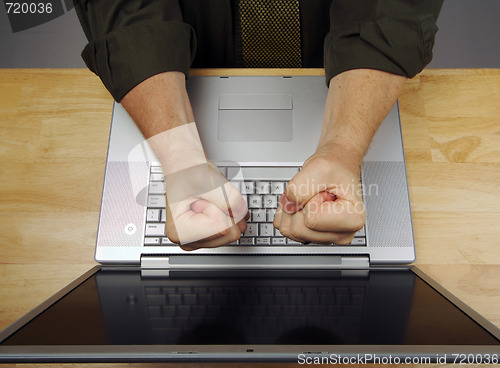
(24, 15)
(361, 359)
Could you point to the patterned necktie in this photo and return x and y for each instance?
(270, 32)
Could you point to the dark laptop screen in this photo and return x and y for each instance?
(376, 307)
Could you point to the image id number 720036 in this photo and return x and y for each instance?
(29, 8)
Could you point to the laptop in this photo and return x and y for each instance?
(259, 131)
(263, 298)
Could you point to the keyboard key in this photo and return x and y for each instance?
(157, 177)
(251, 230)
(293, 242)
(277, 188)
(327, 299)
(247, 187)
(151, 241)
(246, 241)
(174, 299)
(360, 233)
(358, 241)
(183, 310)
(266, 299)
(263, 187)
(198, 310)
(155, 230)
(181, 322)
(153, 216)
(255, 201)
(266, 173)
(358, 299)
(154, 311)
(270, 201)
(155, 299)
(156, 201)
(204, 298)
(280, 298)
(156, 170)
(189, 297)
(266, 229)
(156, 187)
(343, 298)
(258, 215)
(278, 241)
(166, 241)
(263, 241)
(296, 298)
(311, 299)
(163, 217)
(288, 310)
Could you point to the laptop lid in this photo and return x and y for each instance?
(123, 314)
(247, 122)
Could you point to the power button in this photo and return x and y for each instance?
(130, 229)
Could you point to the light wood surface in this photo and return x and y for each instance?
(54, 127)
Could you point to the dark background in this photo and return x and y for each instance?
(468, 38)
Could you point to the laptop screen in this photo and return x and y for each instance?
(353, 307)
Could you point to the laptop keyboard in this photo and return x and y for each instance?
(262, 197)
(263, 312)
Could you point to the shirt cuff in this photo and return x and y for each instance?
(127, 56)
(398, 45)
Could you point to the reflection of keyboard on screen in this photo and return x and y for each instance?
(262, 188)
(260, 313)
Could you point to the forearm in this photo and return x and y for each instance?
(161, 109)
(202, 208)
(357, 103)
(160, 103)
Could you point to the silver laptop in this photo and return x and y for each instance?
(259, 131)
(265, 298)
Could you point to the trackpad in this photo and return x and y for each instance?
(255, 125)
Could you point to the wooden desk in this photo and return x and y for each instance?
(54, 127)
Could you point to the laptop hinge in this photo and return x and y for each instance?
(211, 262)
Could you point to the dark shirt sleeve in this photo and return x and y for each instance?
(130, 41)
(396, 36)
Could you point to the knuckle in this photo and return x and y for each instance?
(174, 239)
(294, 232)
(277, 221)
(242, 226)
(291, 188)
(233, 234)
(359, 222)
(225, 232)
(310, 221)
(334, 239)
(345, 239)
(172, 234)
(284, 230)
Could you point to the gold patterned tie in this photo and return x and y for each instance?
(270, 33)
